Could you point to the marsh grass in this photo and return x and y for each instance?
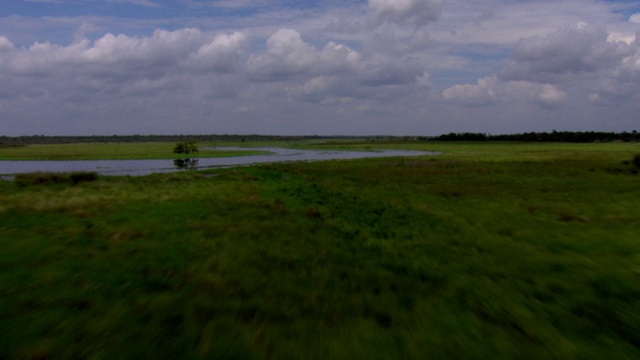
(111, 151)
(534, 255)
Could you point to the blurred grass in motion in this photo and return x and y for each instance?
(453, 256)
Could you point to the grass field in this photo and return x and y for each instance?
(483, 251)
(112, 151)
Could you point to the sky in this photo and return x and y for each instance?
(292, 67)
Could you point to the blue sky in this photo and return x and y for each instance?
(355, 67)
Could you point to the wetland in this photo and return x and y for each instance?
(482, 250)
(240, 157)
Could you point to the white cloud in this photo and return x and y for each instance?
(483, 93)
(504, 23)
(493, 91)
(5, 44)
(578, 63)
(111, 59)
(131, 57)
(565, 55)
(316, 89)
(338, 67)
(339, 56)
(117, 64)
(333, 74)
(549, 95)
(635, 18)
(221, 54)
(286, 54)
(621, 37)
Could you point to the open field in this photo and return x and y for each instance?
(485, 251)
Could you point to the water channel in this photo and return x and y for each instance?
(146, 167)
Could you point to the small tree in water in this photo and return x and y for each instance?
(185, 147)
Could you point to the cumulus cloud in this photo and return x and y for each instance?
(221, 54)
(286, 54)
(548, 95)
(606, 71)
(578, 62)
(334, 73)
(339, 57)
(161, 49)
(565, 55)
(111, 57)
(475, 95)
(319, 89)
(408, 12)
(120, 60)
(165, 61)
(339, 65)
(5, 44)
(492, 91)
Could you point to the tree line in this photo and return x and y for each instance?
(554, 136)
(42, 139)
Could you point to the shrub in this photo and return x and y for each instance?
(185, 147)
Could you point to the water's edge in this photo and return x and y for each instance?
(9, 168)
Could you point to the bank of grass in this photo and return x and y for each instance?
(454, 256)
(38, 178)
(493, 151)
(113, 151)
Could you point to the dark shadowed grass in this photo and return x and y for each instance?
(439, 257)
(42, 178)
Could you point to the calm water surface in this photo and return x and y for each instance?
(145, 167)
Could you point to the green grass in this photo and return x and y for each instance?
(474, 253)
(112, 151)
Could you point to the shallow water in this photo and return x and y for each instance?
(145, 167)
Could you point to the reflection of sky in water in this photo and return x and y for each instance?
(145, 167)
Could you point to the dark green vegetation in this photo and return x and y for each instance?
(185, 147)
(73, 178)
(486, 251)
(8, 141)
(554, 136)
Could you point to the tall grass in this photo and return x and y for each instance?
(433, 257)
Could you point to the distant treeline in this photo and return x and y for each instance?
(41, 139)
(554, 136)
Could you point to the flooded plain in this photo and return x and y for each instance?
(146, 167)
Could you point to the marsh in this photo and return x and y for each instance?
(150, 166)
